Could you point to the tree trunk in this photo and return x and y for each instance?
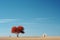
(17, 35)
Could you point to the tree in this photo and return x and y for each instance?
(17, 30)
(14, 29)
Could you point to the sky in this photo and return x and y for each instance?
(36, 16)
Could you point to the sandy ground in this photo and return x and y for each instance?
(30, 38)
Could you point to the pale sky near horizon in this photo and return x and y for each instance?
(36, 16)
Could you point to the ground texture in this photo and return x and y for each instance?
(30, 38)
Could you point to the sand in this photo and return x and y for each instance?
(31, 38)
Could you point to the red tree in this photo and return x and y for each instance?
(17, 30)
(14, 29)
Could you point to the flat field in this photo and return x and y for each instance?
(30, 38)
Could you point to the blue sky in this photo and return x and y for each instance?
(36, 16)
